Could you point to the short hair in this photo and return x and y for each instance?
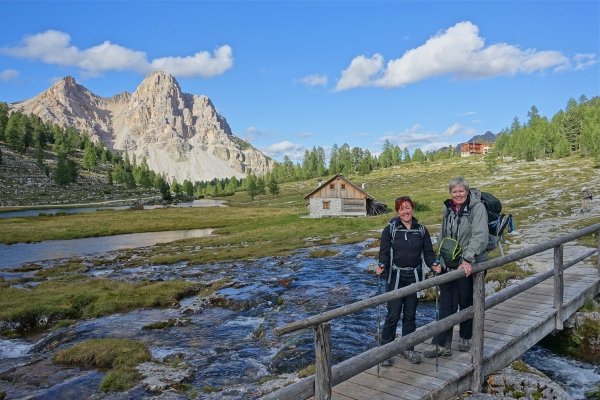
(403, 199)
(458, 181)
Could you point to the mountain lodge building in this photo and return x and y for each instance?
(471, 149)
(338, 197)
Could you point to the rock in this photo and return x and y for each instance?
(524, 385)
(160, 377)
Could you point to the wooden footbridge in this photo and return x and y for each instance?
(505, 325)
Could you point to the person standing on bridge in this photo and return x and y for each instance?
(465, 221)
(405, 245)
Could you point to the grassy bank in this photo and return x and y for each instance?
(74, 297)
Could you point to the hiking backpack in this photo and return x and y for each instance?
(496, 220)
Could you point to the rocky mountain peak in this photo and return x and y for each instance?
(179, 134)
(159, 84)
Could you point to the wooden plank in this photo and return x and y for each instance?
(527, 303)
(532, 298)
(539, 297)
(510, 311)
(497, 336)
(389, 386)
(411, 377)
(496, 316)
(506, 329)
(359, 392)
(515, 308)
(338, 396)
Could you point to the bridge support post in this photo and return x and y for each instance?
(478, 319)
(323, 361)
(559, 286)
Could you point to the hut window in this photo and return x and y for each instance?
(343, 186)
(326, 205)
(331, 186)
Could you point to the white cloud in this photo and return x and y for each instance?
(8, 74)
(466, 113)
(201, 64)
(54, 47)
(583, 61)
(359, 72)
(459, 52)
(286, 148)
(305, 134)
(313, 80)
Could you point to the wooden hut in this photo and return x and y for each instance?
(338, 197)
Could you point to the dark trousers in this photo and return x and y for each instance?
(406, 306)
(454, 296)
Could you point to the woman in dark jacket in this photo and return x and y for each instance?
(404, 245)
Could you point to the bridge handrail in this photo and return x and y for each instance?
(305, 388)
(427, 283)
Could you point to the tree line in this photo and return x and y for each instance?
(574, 130)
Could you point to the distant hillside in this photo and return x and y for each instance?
(24, 183)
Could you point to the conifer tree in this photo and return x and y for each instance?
(273, 186)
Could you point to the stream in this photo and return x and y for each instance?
(229, 342)
(81, 210)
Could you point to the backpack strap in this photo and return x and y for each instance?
(392, 237)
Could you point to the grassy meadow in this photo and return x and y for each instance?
(531, 191)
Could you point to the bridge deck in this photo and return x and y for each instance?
(511, 328)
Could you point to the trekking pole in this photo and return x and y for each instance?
(378, 319)
(437, 318)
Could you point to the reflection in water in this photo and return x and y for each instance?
(81, 210)
(14, 255)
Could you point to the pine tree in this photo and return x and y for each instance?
(251, 186)
(89, 157)
(3, 119)
(273, 186)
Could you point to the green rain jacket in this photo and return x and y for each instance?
(469, 225)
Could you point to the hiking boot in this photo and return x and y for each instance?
(464, 344)
(440, 351)
(412, 356)
(387, 363)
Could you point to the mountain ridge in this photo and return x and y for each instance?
(180, 135)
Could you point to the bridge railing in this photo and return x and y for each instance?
(326, 376)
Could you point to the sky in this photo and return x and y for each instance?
(292, 75)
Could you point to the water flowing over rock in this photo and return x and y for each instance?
(179, 134)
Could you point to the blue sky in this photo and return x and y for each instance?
(290, 75)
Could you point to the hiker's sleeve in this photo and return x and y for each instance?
(479, 234)
(384, 248)
(428, 253)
